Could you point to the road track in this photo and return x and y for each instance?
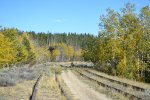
(80, 90)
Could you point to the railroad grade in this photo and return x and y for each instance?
(137, 88)
(132, 94)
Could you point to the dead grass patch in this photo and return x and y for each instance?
(21, 91)
(48, 89)
(110, 93)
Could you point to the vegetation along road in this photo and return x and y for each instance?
(75, 64)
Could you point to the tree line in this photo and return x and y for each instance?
(18, 47)
(123, 45)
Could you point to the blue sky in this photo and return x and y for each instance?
(59, 15)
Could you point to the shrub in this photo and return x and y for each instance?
(28, 75)
(6, 80)
(9, 77)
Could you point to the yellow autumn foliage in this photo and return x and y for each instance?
(7, 51)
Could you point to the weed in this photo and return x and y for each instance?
(57, 70)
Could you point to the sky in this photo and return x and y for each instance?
(81, 16)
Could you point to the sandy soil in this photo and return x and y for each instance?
(80, 90)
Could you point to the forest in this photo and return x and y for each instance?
(18, 47)
(122, 47)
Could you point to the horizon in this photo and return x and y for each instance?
(59, 16)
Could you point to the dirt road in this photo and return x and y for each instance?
(80, 90)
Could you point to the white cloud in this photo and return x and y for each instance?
(60, 20)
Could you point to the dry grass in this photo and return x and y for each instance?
(131, 82)
(48, 89)
(66, 88)
(115, 85)
(23, 88)
(129, 89)
(21, 91)
(56, 69)
(110, 93)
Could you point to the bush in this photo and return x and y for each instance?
(6, 80)
(10, 76)
(28, 75)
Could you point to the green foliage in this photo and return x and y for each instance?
(68, 46)
(10, 33)
(122, 47)
(90, 53)
(29, 48)
(22, 54)
(64, 52)
(15, 48)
